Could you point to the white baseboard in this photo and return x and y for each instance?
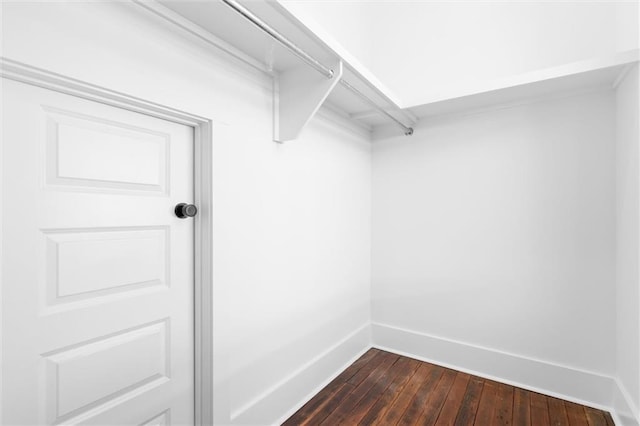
(625, 411)
(282, 400)
(580, 386)
(583, 387)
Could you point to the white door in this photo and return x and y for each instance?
(97, 270)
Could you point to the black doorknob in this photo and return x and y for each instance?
(184, 210)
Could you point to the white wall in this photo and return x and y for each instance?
(292, 222)
(628, 25)
(628, 234)
(494, 238)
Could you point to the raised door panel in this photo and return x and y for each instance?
(94, 152)
(90, 264)
(118, 366)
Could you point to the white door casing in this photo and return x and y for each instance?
(97, 272)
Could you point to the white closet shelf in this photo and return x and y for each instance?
(569, 78)
(224, 28)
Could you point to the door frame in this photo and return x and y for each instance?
(203, 194)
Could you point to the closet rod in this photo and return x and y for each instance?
(327, 72)
(408, 131)
(314, 63)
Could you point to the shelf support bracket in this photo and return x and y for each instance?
(298, 93)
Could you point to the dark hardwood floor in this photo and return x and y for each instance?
(382, 388)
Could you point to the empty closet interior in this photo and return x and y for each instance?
(456, 182)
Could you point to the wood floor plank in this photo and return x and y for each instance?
(595, 417)
(608, 418)
(576, 414)
(521, 408)
(469, 407)
(384, 389)
(399, 405)
(366, 369)
(437, 397)
(315, 404)
(539, 410)
(415, 407)
(557, 412)
(484, 416)
(378, 410)
(380, 386)
(361, 362)
(344, 409)
(453, 402)
(503, 411)
(331, 389)
(323, 410)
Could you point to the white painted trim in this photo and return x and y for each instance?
(630, 408)
(321, 386)
(280, 401)
(203, 263)
(560, 381)
(1, 237)
(18, 71)
(621, 76)
(203, 183)
(617, 421)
